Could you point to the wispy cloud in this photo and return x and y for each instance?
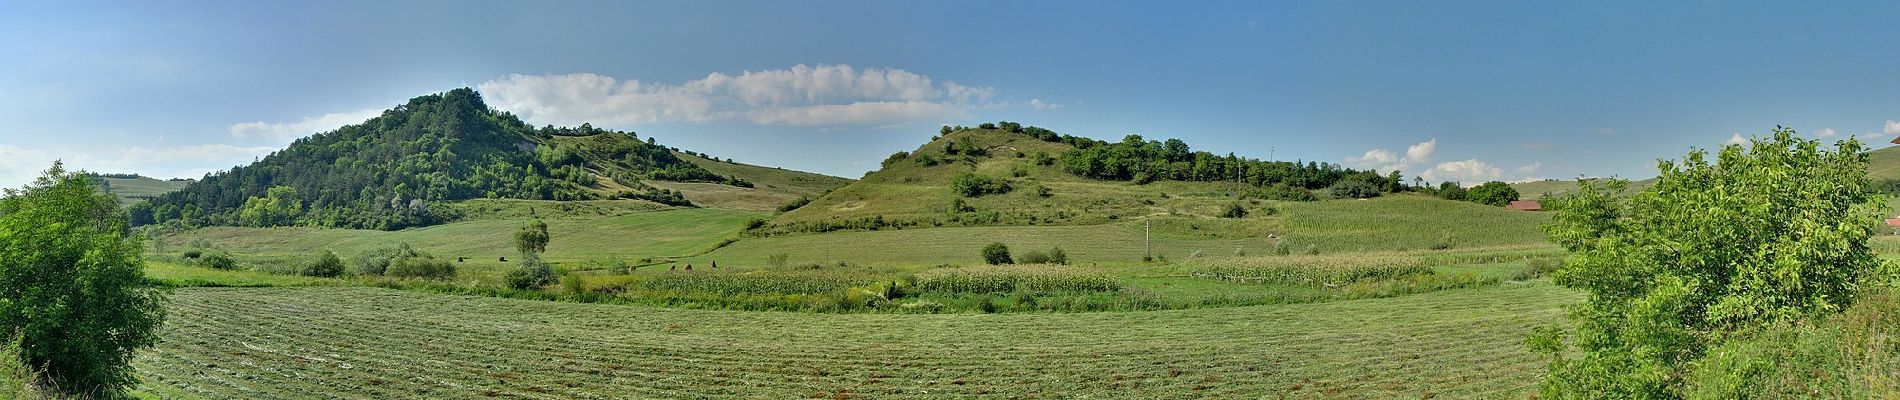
(825, 95)
(1891, 128)
(1038, 104)
(1736, 139)
(20, 165)
(1824, 133)
(285, 131)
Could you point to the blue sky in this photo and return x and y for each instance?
(1448, 90)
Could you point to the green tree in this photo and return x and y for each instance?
(1492, 193)
(72, 284)
(1773, 233)
(278, 207)
(532, 238)
(997, 254)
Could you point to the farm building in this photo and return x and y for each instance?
(1525, 205)
(1893, 222)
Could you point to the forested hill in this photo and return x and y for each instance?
(395, 170)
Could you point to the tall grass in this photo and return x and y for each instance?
(1011, 278)
(1325, 270)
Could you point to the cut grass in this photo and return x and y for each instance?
(374, 343)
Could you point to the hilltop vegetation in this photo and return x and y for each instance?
(398, 169)
(1009, 174)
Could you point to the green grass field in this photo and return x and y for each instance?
(378, 343)
(627, 237)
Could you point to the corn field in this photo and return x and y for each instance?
(1010, 278)
(1307, 270)
(750, 282)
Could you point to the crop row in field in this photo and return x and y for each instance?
(340, 342)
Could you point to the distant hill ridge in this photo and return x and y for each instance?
(398, 169)
(1010, 174)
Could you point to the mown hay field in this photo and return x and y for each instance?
(353, 342)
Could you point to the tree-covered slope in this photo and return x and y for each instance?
(395, 170)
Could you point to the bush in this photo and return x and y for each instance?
(777, 260)
(217, 260)
(193, 254)
(1033, 257)
(326, 264)
(1353, 190)
(996, 253)
(895, 158)
(530, 273)
(970, 184)
(794, 204)
(72, 285)
(421, 266)
(1493, 193)
(376, 261)
(1703, 255)
(1053, 256)
(1234, 210)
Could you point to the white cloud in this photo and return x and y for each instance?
(1040, 105)
(1387, 160)
(1466, 171)
(1736, 139)
(285, 131)
(800, 95)
(1824, 133)
(1422, 152)
(1375, 158)
(1891, 128)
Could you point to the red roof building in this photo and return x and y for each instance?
(1525, 205)
(1893, 222)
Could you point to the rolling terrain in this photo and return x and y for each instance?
(136, 188)
(871, 288)
(378, 343)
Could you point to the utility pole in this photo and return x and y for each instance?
(1147, 249)
(1270, 153)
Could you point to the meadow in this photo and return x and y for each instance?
(379, 343)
